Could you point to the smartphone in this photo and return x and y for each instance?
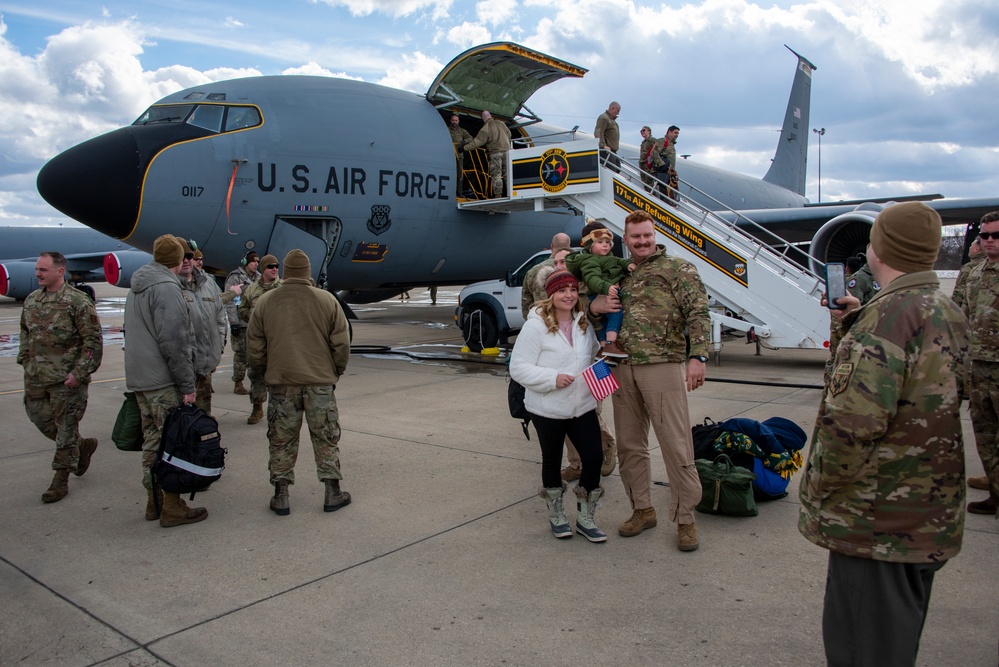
(835, 285)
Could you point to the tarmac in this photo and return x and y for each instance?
(444, 556)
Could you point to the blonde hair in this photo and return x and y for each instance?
(546, 309)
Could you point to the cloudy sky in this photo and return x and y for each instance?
(904, 88)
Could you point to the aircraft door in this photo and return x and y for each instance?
(316, 237)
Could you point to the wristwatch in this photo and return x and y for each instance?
(700, 357)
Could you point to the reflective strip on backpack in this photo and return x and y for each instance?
(191, 467)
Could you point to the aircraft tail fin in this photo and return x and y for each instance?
(790, 160)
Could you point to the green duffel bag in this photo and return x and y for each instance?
(725, 487)
(127, 431)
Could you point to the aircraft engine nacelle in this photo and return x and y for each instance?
(119, 266)
(17, 279)
(844, 236)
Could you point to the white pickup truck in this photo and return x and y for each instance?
(488, 312)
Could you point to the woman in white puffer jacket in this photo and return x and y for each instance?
(555, 345)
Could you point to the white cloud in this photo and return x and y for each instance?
(395, 8)
(416, 73)
(231, 22)
(468, 35)
(314, 69)
(495, 12)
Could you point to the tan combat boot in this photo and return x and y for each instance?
(571, 474)
(151, 512)
(87, 448)
(257, 414)
(980, 483)
(610, 461)
(238, 388)
(279, 503)
(176, 512)
(686, 537)
(59, 487)
(639, 521)
(335, 498)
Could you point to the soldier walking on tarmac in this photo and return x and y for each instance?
(60, 348)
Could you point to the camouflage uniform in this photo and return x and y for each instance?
(531, 293)
(495, 138)
(981, 305)
(661, 299)
(284, 424)
(258, 390)
(298, 336)
(884, 486)
(961, 286)
(60, 334)
(650, 159)
(459, 137)
(237, 327)
(863, 286)
(669, 164)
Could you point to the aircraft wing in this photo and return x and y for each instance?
(837, 231)
(17, 276)
(498, 78)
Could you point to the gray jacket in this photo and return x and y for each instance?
(208, 320)
(159, 342)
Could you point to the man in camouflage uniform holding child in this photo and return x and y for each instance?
(60, 348)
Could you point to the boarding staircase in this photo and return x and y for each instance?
(754, 283)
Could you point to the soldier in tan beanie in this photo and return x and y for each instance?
(298, 338)
(268, 280)
(159, 364)
(884, 487)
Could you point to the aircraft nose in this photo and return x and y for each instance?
(98, 182)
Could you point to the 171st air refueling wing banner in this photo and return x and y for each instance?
(690, 238)
(552, 169)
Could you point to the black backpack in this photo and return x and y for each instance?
(704, 436)
(515, 395)
(191, 456)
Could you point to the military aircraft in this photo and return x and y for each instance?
(90, 257)
(363, 177)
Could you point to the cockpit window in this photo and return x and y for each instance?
(164, 114)
(238, 118)
(207, 116)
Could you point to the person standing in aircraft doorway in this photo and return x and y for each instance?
(495, 137)
(459, 137)
(608, 134)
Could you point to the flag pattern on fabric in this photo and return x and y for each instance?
(600, 380)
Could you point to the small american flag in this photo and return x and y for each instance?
(600, 380)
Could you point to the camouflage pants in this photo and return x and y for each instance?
(647, 178)
(57, 410)
(238, 341)
(285, 409)
(497, 172)
(203, 390)
(985, 416)
(153, 408)
(258, 390)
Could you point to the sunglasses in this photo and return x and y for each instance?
(989, 235)
(188, 256)
(272, 266)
